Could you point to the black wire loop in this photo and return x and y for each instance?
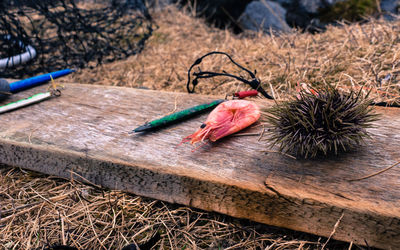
(254, 82)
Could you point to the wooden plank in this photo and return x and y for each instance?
(84, 134)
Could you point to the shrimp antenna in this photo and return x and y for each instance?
(254, 82)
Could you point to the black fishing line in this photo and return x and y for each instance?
(254, 82)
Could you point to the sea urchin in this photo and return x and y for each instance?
(320, 123)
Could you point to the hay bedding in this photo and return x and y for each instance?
(39, 211)
(344, 55)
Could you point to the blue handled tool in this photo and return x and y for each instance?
(15, 87)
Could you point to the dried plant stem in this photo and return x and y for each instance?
(333, 231)
(246, 134)
(376, 173)
(279, 152)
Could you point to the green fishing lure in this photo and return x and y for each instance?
(25, 102)
(177, 116)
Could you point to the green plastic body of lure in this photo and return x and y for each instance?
(178, 116)
(25, 102)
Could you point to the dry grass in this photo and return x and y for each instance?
(38, 210)
(346, 55)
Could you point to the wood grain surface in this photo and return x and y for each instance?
(84, 135)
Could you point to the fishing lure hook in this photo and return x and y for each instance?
(254, 82)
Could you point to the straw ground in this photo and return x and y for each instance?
(38, 211)
(345, 55)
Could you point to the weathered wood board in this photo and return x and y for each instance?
(84, 133)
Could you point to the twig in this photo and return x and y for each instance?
(6, 211)
(350, 246)
(34, 227)
(376, 173)
(262, 133)
(333, 231)
(30, 135)
(89, 217)
(64, 242)
(49, 200)
(84, 179)
(278, 152)
(246, 134)
(175, 106)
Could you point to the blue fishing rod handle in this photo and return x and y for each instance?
(4, 88)
(36, 80)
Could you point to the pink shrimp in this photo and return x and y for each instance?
(227, 118)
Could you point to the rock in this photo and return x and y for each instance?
(297, 15)
(158, 4)
(219, 13)
(312, 6)
(285, 3)
(390, 6)
(135, 4)
(263, 15)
